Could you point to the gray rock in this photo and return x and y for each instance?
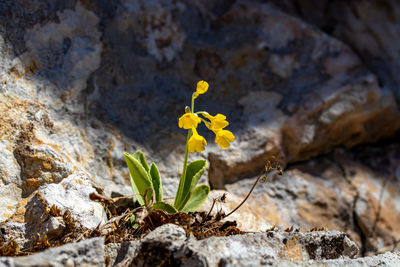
(71, 195)
(170, 245)
(364, 25)
(89, 252)
(121, 254)
(387, 259)
(305, 87)
(84, 81)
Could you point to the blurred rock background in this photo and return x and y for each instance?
(312, 83)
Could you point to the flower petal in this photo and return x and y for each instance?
(202, 87)
(223, 138)
(196, 142)
(188, 121)
(218, 121)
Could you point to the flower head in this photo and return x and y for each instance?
(202, 87)
(189, 121)
(196, 142)
(218, 121)
(223, 138)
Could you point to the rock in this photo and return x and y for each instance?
(36, 217)
(89, 252)
(169, 244)
(121, 254)
(84, 81)
(273, 117)
(371, 28)
(302, 197)
(10, 195)
(286, 125)
(342, 191)
(32, 158)
(9, 168)
(40, 164)
(77, 49)
(386, 259)
(341, 118)
(376, 206)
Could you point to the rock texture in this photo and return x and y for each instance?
(343, 190)
(34, 215)
(309, 82)
(85, 253)
(170, 245)
(371, 28)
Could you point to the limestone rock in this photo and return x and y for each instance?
(120, 254)
(9, 168)
(89, 252)
(341, 117)
(342, 191)
(370, 27)
(386, 259)
(81, 82)
(169, 244)
(71, 195)
(305, 87)
(272, 248)
(10, 195)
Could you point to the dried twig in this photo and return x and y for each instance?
(271, 165)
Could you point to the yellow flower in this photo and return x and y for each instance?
(218, 121)
(223, 138)
(189, 121)
(202, 87)
(196, 142)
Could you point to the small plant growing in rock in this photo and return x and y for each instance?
(145, 180)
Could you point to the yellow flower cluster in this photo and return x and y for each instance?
(217, 123)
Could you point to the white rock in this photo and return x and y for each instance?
(10, 195)
(73, 194)
(9, 168)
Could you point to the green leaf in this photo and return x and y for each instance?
(139, 156)
(165, 206)
(193, 173)
(156, 181)
(197, 198)
(133, 223)
(136, 190)
(138, 177)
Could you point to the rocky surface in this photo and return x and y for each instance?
(170, 245)
(371, 28)
(343, 191)
(34, 215)
(309, 82)
(89, 252)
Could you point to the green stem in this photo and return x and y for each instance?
(182, 180)
(192, 106)
(183, 177)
